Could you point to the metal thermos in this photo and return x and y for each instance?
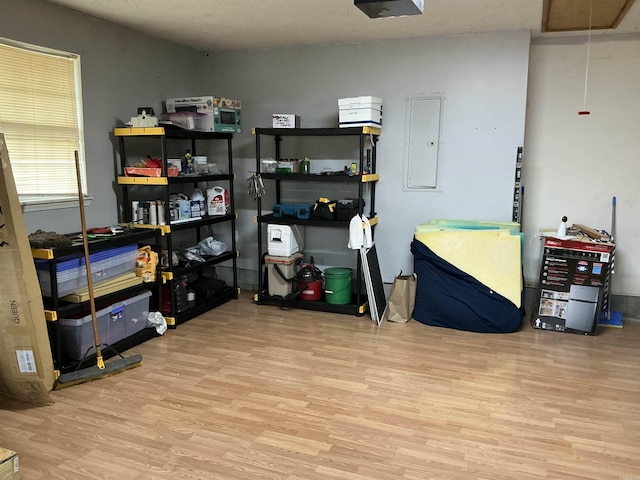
(160, 207)
(153, 213)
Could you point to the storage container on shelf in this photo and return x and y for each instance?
(71, 272)
(284, 240)
(360, 112)
(277, 285)
(115, 322)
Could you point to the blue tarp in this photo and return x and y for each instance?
(448, 297)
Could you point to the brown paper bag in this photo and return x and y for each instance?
(402, 299)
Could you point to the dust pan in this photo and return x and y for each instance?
(100, 369)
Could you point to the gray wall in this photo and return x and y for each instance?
(573, 164)
(484, 78)
(121, 70)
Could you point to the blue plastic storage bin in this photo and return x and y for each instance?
(71, 271)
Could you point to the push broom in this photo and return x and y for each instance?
(100, 369)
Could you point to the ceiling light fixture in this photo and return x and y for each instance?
(390, 8)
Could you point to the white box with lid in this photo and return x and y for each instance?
(360, 112)
(285, 240)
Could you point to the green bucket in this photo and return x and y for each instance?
(337, 285)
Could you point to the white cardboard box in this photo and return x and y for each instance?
(286, 120)
(360, 111)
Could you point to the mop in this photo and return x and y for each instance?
(611, 318)
(100, 369)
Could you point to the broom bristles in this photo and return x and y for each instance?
(94, 373)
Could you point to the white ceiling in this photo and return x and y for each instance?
(210, 25)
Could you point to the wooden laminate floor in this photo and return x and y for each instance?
(253, 392)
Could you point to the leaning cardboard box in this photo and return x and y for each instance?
(26, 365)
(574, 284)
(9, 465)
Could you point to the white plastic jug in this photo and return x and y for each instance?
(217, 201)
(198, 204)
(184, 206)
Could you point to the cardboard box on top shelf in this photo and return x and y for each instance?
(286, 120)
(26, 364)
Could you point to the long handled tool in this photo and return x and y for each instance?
(100, 369)
(613, 259)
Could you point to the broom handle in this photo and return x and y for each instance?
(85, 243)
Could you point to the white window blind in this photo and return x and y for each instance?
(41, 118)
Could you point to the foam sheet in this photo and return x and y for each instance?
(493, 257)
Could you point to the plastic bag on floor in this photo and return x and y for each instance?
(157, 321)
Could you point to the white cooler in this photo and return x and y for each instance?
(360, 112)
(284, 240)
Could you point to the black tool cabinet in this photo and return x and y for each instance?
(165, 141)
(367, 176)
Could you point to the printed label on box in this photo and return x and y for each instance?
(26, 361)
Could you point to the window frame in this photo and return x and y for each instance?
(41, 202)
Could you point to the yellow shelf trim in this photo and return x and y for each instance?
(137, 131)
(42, 253)
(143, 181)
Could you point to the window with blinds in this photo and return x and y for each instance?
(41, 118)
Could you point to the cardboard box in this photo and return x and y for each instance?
(9, 465)
(209, 114)
(286, 120)
(360, 112)
(26, 363)
(574, 278)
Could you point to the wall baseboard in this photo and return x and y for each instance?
(628, 305)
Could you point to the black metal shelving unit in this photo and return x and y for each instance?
(56, 308)
(171, 273)
(359, 303)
